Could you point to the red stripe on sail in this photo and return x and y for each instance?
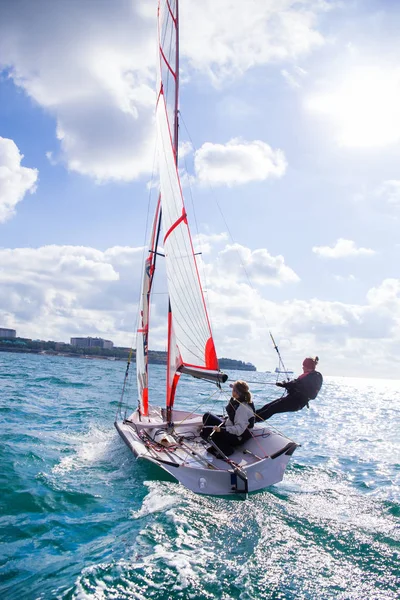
(211, 355)
(167, 63)
(171, 398)
(170, 12)
(160, 93)
(145, 402)
(172, 369)
(181, 218)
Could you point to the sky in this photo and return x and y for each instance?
(289, 159)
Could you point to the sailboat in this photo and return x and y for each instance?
(279, 371)
(165, 435)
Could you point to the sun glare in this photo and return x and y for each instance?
(364, 107)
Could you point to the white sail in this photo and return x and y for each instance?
(190, 340)
(142, 334)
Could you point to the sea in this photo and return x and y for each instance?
(82, 519)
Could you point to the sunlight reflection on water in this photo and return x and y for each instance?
(95, 524)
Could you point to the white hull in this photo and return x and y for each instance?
(257, 464)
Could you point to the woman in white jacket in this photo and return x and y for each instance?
(234, 430)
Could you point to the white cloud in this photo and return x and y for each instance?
(238, 162)
(51, 159)
(387, 294)
(56, 292)
(342, 249)
(241, 36)
(344, 278)
(187, 180)
(363, 105)
(389, 192)
(203, 242)
(236, 263)
(102, 141)
(328, 320)
(184, 149)
(64, 262)
(335, 331)
(383, 198)
(92, 68)
(15, 180)
(294, 77)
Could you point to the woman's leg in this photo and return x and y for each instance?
(288, 403)
(209, 421)
(225, 441)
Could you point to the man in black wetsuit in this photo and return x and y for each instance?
(299, 392)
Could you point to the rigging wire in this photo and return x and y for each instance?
(199, 263)
(145, 251)
(194, 411)
(233, 241)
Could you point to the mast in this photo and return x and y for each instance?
(176, 111)
(168, 29)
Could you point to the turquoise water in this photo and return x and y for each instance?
(80, 518)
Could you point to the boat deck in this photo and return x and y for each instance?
(179, 449)
(183, 444)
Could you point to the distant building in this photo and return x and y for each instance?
(89, 342)
(7, 333)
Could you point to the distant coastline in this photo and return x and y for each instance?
(116, 353)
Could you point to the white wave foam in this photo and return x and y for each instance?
(92, 447)
(159, 499)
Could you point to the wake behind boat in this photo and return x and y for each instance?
(165, 436)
